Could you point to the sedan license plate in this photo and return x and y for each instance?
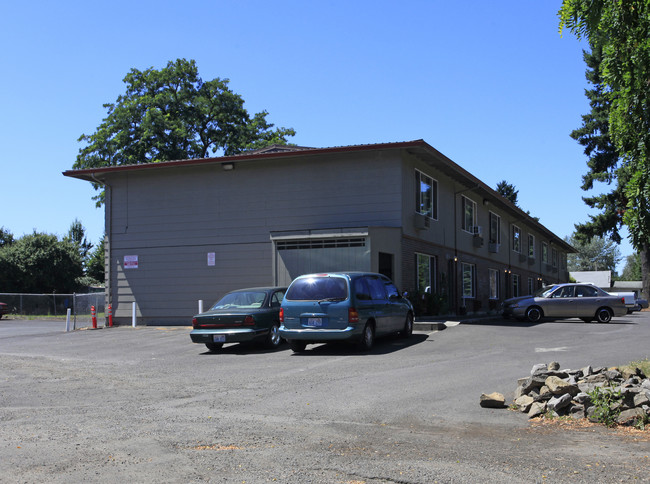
(315, 322)
(219, 338)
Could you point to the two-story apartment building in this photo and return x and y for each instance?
(188, 230)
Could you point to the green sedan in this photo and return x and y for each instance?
(241, 316)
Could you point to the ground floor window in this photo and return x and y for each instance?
(494, 284)
(469, 280)
(516, 285)
(531, 285)
(426, 265)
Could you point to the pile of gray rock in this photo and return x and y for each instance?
(549, 389)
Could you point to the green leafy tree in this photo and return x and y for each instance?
(95, 267)
(40, 263)
(172, 114)
(77, 236)
(619, 31)
(508, 191)
(6, 237)
(632, 269)
(596, 254)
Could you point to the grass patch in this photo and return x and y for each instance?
(643, 365)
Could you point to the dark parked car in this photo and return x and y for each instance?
(240, 316)
(570, 300)
(640, 304)
(355, 306)
(4, 309)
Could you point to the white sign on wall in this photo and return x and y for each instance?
(211, 258)
(130, 261)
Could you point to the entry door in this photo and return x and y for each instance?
(563, 303)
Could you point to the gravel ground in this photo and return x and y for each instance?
(146, 405)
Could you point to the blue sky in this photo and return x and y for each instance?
(492, 85)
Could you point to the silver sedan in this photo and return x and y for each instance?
(569, 300)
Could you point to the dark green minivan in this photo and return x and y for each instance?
(335, 306)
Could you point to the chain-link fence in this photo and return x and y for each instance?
(55, 306)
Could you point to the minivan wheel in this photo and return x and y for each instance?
(213, 346)
(534, 314)
(408, 327)
(603, 315)
(273, 339)
(367, 338)
(297, 346)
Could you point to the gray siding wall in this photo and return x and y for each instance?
(445, 239)
(172, 218)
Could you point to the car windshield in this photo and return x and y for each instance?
(318, 289)
(241, 300)
(544, 291)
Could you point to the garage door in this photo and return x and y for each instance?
(297, 256)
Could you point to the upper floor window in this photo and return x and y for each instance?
(531, 246)
(516, 239)
(545, 252)
(426, 195)
(469, 215)
(495, 228)
(554, 257)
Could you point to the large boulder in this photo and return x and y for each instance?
(537, 409)
(630, 416)
(558, 386)
(524, 403)
(560, 402)
(493, 400)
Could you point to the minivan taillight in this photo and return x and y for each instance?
(194, 322)
(353, 315)
(282, 315)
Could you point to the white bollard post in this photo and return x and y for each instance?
(200, 306)
(67, 320)
(133, 316)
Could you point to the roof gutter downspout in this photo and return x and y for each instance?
(108, 233)
(455, 275)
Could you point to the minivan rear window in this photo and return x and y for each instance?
(318, 289)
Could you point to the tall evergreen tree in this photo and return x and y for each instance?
(507, 190)
(621, 31)
(603, 159)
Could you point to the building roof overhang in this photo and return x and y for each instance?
(419, 149)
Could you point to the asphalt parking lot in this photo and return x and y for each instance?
(147, 405)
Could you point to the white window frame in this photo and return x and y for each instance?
(531, 246)
(497, 218)
(531, 285)
(471, 204)
(469, 291)
(420, 179)
(433, 266)
(516, 285)
(494, 275)
(516, 241)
